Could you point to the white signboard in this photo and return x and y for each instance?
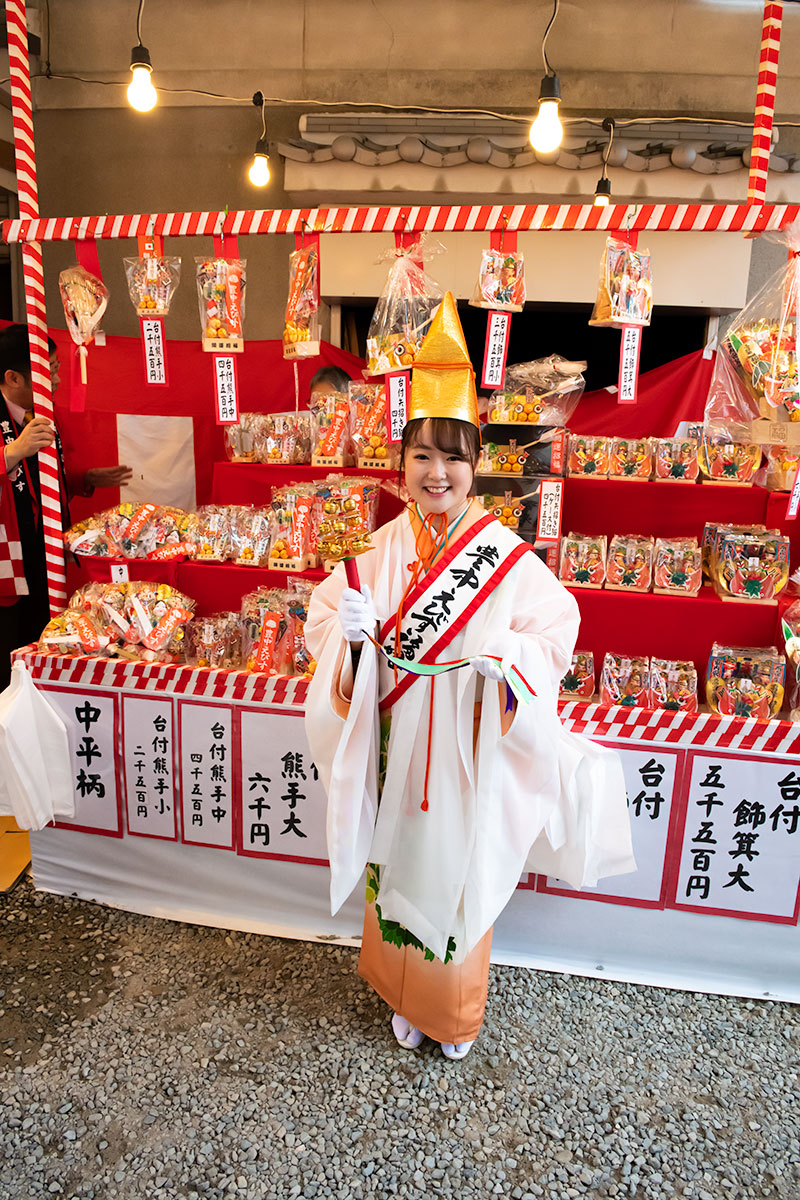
(91, 721)
(206, 758)
(283, 803)
(740, 847)
(148, 753)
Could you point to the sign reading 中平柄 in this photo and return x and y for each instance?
(206, 757)
(740, 848)
(652, 778)
(148, 749)
(91, 721)
(283, 803)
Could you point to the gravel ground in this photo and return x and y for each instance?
(141, 1058)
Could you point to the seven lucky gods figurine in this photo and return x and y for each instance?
(578, 683)
(728, 462)
(745, 681)
(753, 567)
(630, 458)
(625, 680)
(588, 456)
(630, 563)
(676, 459)
(583, 560)
(673, 685)
(678, 569)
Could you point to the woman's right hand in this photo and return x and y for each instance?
(356, 614)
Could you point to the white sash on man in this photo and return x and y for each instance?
(449, 594)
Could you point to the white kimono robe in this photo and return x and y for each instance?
(535, 798)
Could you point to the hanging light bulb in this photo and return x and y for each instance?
(141, 94)
(259, 167)
(547, 131)
(602, 193)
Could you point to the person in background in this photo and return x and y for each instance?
(24, 605)
(328, 380)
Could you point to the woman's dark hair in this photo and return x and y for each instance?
(447, 434)
(335, 376)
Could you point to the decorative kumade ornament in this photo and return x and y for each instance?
(85, 298)
(625, 286)
(404, 310)
(220, 293)
(501, 281)
(301, 328)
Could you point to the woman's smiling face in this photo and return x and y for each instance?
(438, 480)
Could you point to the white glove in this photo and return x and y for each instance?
(490, 668)
(356, 613)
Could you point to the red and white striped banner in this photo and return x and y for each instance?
(201, 683)
(765, 101)
(693, 218)
(35, 311)
(681, 729)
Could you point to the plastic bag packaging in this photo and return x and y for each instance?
(673, 685)
(212, 533)
(151, 531)
(332, 443)
(298, 598)
(370, 438)
(676, 459)
(745, 681)
(284, 438)
(292, 508)
(630, 563)
(583, 560)
(625, 680)
(240, 439)
(404, 310)
(588, 455)
(537, 451)
(214, 641)
(251, 535)
(677, 566)
(756, 370)
(630, 458)
(543, 392)
(157, 616)
(301, 326)
(220, 293)
(727, 462)
(578, 683)
(266, 646)
(501, 282)
(624, 288)
(74, 632)
(85, 298)
(152, 283)
(35, 767)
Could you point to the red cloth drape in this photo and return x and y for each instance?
(668, 394)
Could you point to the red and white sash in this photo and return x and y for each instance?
(447, 597)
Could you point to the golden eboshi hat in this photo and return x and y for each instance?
(442, 378)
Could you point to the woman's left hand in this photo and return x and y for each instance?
(490, 668)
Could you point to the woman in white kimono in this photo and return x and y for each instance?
(448, 787)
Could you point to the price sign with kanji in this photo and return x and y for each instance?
(155, 363)
(652, 778)
(495, 353)
(740, 843)
(92, 726)
(206, 758)
(227, 389)
(283, 802)
(148, 753)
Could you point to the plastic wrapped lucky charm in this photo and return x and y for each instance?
(85, 298)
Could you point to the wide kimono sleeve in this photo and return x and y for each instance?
(343, 734)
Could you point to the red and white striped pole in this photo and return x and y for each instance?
(765, 101)
(35, 311)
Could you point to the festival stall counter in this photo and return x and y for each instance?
(197, 800)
